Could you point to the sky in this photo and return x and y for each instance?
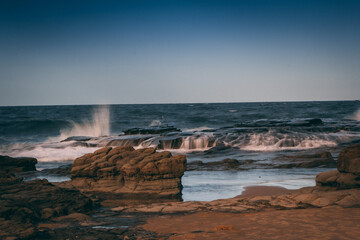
(152, 51)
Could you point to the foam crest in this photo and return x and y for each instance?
(98, 126)
(271, 142)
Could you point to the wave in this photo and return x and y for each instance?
(98, 126)
(355, 116)
(182, 142)
(47, 152)
(266, 141)
(263, 143)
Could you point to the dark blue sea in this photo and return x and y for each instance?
(259, 136)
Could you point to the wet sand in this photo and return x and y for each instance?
(253, 191)
(314, 223)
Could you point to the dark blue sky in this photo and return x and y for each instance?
(85, 52)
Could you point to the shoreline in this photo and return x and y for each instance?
(90, 207)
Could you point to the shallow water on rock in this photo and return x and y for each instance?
(212, 185)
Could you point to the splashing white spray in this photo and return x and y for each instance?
(356, 115)
(155, 123)
(98, 126)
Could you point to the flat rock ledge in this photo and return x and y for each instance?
(334, 188)
(311, 197)
(126, 171)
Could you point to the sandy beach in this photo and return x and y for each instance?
(252, 191)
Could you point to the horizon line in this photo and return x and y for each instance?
(168, 103)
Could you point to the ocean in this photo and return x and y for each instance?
(256, 140)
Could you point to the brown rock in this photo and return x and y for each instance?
(349, 159)
(123, 170)
(25, 204)
(47, 213)
(323, 159)
(338, 179)
(14, 165)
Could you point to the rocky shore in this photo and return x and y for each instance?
(123, 170)
(123, 177)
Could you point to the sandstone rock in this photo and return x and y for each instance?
(123, 170)
(338, 179)
(349, 159)
(14, 165)
(25, 204)
(349, 201)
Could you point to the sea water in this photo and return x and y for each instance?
(207, 132)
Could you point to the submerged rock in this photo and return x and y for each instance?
(15, 165)
(59, 171)
(324, 159)
(226, 164)
(77, 138)
(123, 170)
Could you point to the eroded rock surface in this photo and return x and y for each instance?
(349, 160)
(23, 205)
(123, 170)
(303, 198)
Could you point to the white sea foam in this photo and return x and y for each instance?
(199, 129)
(269, 142)
(198, 143)
(44, 153)
(98, 126)
(155, 123)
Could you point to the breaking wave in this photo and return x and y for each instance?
(98, 126)
(355, 116)
(268, 141)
